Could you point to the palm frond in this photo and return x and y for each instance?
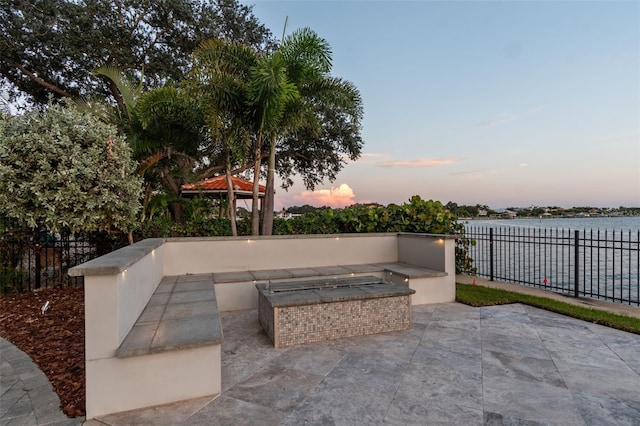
(156, 157)
(220, 73)
(163, 101)
(306, 53)
(270, 89)
(96, 107)
(339, 92)
(127, 89)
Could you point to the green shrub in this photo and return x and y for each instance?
(417, 216)
(63, 169)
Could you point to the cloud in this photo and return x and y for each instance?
(421, 162)
(334, 197)
(500, 118)
(365, 157)
(524, 164)
(371, 155)
(476, 174)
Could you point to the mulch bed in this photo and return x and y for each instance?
(54, 340)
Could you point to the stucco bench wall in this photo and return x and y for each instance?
(270, 256)
(119, 377)
(119, 285)
(432, 252)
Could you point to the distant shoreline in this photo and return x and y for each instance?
(547, 217)
(614, 223)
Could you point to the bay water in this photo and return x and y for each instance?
(544, 252)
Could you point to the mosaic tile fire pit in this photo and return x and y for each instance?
(299, 312)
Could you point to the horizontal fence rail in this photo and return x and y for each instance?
(601, 264)
(31, 259)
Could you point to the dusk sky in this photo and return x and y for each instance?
(501, 103)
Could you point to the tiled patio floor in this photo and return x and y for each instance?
(26, 395)
(503, 365)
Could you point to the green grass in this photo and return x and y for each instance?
(485, 296)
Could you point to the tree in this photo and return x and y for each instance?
(237, 86)
(189, 130)
(168, 140)
(314, 116)
(63, 169)
(51, 46)
(219, 82)
(304, 209)
(270, 91)
(163, 127)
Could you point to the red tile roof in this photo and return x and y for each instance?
(218, 184)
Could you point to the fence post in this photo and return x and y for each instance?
(37, 248)
(576, 262)
(490, 254)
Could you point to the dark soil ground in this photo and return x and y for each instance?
(54, 339)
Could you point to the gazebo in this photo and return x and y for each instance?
(217, 188)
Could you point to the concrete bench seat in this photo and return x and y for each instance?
(410, 271)
(181, 314)
(403, 269)
(236, 290)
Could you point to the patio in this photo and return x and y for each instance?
(510, 364)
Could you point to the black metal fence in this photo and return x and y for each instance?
(602, 264)
(32, 259)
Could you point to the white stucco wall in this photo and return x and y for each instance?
(121, 384)
(206, 255)
(114, 302)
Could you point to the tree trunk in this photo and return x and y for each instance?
(113, 87)
(255, 210)
(173, 187)
(231, 198)
(175, 210)
(145, 202)
(267, 224)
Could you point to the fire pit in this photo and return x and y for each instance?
(298, 312)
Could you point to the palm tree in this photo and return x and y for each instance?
(219, 81)
(270, 91)
(294, 92)
(234, 98)
(281, 92)
(167, 138)
(277, 82)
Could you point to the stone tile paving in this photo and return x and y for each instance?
(26, 396)
(502, 365)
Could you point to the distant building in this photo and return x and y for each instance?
(508, 214)
(284, 214)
